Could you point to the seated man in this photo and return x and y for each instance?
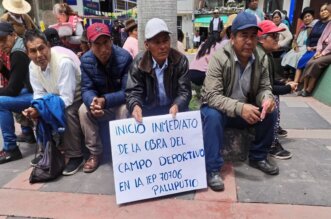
(55, 73)
(18, 94)
(104, 76)
(237, 83)
(158, 80)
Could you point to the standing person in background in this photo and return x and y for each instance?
(18, 15)
(131, 43)
(180, 38)
(252, 8)
(216, 24)
(64, 14)
(84, 45)
(116, 32)
(196, 39)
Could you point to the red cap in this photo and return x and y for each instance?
(268, 26)
(95, 30)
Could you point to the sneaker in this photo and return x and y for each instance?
(306, 93)
(28, 138)
(36, 160)
(281, 132)
(74, 164)
(277, 151)
(215, 182)
(11, 155)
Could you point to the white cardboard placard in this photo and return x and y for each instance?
(158, 157)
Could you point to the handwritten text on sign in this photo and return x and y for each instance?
(158, 157)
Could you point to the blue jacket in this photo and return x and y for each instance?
(108, 81)
(51, 111)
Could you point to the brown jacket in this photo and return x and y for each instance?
(20, 28)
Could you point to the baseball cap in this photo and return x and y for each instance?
(97, 29)
(52, 36)
(243, 21)
(155, 26)
(268, 26)
(6, 28)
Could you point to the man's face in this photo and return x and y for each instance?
(253, 4)
(270, 42)
(7, 43)
(159, 46)
(216, 14)
(324, 13)
(101, 48)
(39, 52)
(244, 43)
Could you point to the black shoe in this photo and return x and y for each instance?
(215, 181)
(265, 166)
(306, 93)
(277, 151)
(281, 132)
(36, 160)
(74, 164)
(11, 155)
(28, 138)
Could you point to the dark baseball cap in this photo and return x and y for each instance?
(243, 21)
(52, 36)
(6, 28)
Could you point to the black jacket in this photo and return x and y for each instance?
(142, 87)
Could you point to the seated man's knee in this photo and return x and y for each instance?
(211, 114)
(122, 112)
(82, 112)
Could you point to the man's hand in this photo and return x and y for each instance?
(173, 110)
(30, 113)
(268, 106)
(97, 106)
(293, 85)
(250, 114)
(317, 55)
(137, 113)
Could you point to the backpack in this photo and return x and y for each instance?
(50, 166)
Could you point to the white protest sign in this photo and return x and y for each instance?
(158, 157)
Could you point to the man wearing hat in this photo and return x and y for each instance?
(18, 94)
(268, 42)
(54, 73)
(18, 15)
(131, 43)
(104, 75)
(158, 80)
(237, 93)
(216, 23)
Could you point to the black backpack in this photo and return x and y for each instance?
(50, 166)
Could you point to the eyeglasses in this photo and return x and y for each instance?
(272, 35)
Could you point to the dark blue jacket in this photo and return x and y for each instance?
(108, 81)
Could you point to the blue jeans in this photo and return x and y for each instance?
(214, 123)
(7, 106)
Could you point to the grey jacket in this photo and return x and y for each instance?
(220, 78)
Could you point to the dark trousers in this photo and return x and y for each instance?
(215, 121)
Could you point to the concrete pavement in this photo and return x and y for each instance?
(301, 190)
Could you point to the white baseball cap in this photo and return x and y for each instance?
(155, 26)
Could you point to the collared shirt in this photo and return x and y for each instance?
(215, 24)
(66, 83)
(242, 79)
(159, 72)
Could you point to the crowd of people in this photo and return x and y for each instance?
(71, 82)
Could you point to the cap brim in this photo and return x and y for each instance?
(276, 30)
(150, 37)
(3, 33)
(99, 35)
(249, 26)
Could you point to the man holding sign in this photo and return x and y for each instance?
(237, 93)
(158, 81)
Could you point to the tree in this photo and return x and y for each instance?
(166, 10)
